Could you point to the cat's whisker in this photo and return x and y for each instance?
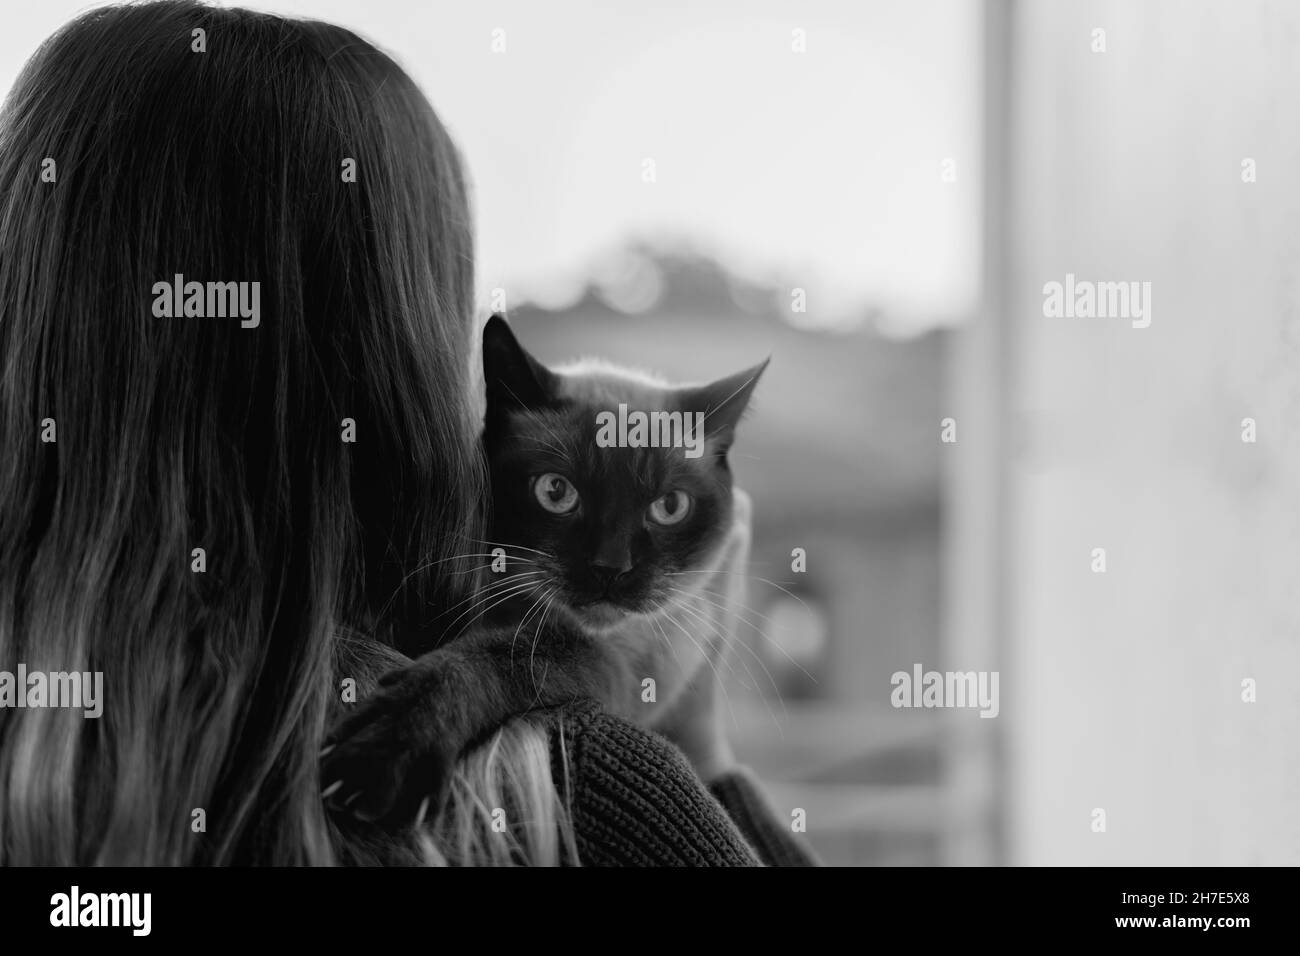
(725, 640)
(522, 591)
(735, 608)
(721, 684)
(431, 564)
(564, 455)
(744, 645)
(504, 595)
(731, 603)
(722, 638)
(749, 650)
(786, 591)
(741, 574)
(510, 559)
(664, 637)
(523, 619)
(733, 454)
(500, 544)
(494, 585)
(483, 554)
(480, 607)
(554, 434)
(453, 557)
(537, 418)
(732, 609)
(412, 573)
(537, 634)
(748, 608)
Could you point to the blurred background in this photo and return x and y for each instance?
(875, 195)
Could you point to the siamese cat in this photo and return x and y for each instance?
(611, 505)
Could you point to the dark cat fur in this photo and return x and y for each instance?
(582, 607)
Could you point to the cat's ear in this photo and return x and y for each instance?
(514, 378)
(724, 401)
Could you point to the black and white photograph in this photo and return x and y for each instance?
(719, 434)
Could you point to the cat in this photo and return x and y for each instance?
(602, 540)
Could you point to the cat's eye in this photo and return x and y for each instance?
(670, 509)
(555, 493)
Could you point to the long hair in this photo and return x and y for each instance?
(323, 459)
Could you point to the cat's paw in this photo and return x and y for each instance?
(386, 762)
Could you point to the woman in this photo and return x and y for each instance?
(219, 508)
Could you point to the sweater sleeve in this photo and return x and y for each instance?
(634, 800)
(742, 797)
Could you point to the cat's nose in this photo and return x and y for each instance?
(607, 574)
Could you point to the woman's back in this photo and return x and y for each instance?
(194, 504)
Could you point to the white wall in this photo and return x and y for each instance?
(1122, 690)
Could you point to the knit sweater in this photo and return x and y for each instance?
(636, 801)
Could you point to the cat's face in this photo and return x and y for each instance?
(608, 531)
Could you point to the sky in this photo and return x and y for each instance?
(585, 124)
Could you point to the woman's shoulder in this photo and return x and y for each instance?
(633, 797)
